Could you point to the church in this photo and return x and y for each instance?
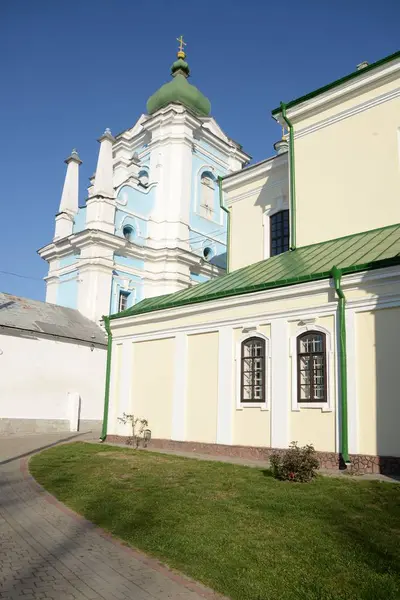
(298, 341)
(152, 223)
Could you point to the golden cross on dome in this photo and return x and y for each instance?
(181, 43)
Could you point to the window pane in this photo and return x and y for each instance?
(305, 392)
(252, 379)
(279, 232)
(311, 367)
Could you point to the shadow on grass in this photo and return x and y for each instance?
(267, 473)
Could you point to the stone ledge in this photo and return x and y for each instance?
(360, 463)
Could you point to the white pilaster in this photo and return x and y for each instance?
(124, 389)
(280, 404)
(226, 400)
(94, 293)
(180, 388)
(113, 408)
(352, 400)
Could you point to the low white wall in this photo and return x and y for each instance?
(40, 378)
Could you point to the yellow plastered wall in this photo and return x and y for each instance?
(246, 221)
(251, 425)
(348, 173)
(153, 384)
(202, 387)
(378, 335)
(311, 425)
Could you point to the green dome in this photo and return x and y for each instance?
(181, 91)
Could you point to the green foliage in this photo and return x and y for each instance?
(295, 464)
(237, 529)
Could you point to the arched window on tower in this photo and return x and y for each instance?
(207, 195)
(144, 177)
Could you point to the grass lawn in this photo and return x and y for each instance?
(235, 528)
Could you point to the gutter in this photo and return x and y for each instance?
(292, 179)
(344, 442)
(228, 223)
(103, 434)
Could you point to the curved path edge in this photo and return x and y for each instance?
(143, 558)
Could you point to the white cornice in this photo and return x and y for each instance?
(254, 172)
(354, 110)
(361, 84)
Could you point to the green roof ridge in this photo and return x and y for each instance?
(338, 82)
(369, 250)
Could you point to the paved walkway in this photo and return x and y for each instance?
(49, 552)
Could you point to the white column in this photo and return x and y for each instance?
(113, 408)
(73, 408)
(280, 404)
(124, 388)
(180, 388)
(225, 386)
(352, 401)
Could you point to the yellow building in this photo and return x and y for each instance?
(298, 341)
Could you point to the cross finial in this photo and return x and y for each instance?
(181, 52)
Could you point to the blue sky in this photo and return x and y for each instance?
(71, 69)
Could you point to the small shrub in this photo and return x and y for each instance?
(295, 464)
(140, 433)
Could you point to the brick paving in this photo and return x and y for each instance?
(49, 552)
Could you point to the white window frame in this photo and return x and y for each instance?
(125, 294)
(216, 215)
(280, 205)
(238, 360)
(330, 370)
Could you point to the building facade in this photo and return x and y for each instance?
(152, 223)
(298, 341)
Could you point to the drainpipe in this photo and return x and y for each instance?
(344, 442)
(228, 222)
(103, 434)
(292, 179)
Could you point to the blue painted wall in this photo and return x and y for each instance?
(136, 294)
(67, 291)
(198, 278)
(80, 220)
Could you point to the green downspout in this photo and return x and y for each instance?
(228, 222)
(344, 441)
(103, 434)
(292, 179)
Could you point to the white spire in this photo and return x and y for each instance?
(70, 194)
(103, 183)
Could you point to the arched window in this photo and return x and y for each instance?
(252, 380)
(128, 232)
(311, 367)
(143, 177)
(279, 232)
(207, 195)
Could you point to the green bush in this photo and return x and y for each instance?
(295, 464)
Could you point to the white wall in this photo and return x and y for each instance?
(37, 374)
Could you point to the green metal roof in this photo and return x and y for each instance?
(334, 84)
(359, 252)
